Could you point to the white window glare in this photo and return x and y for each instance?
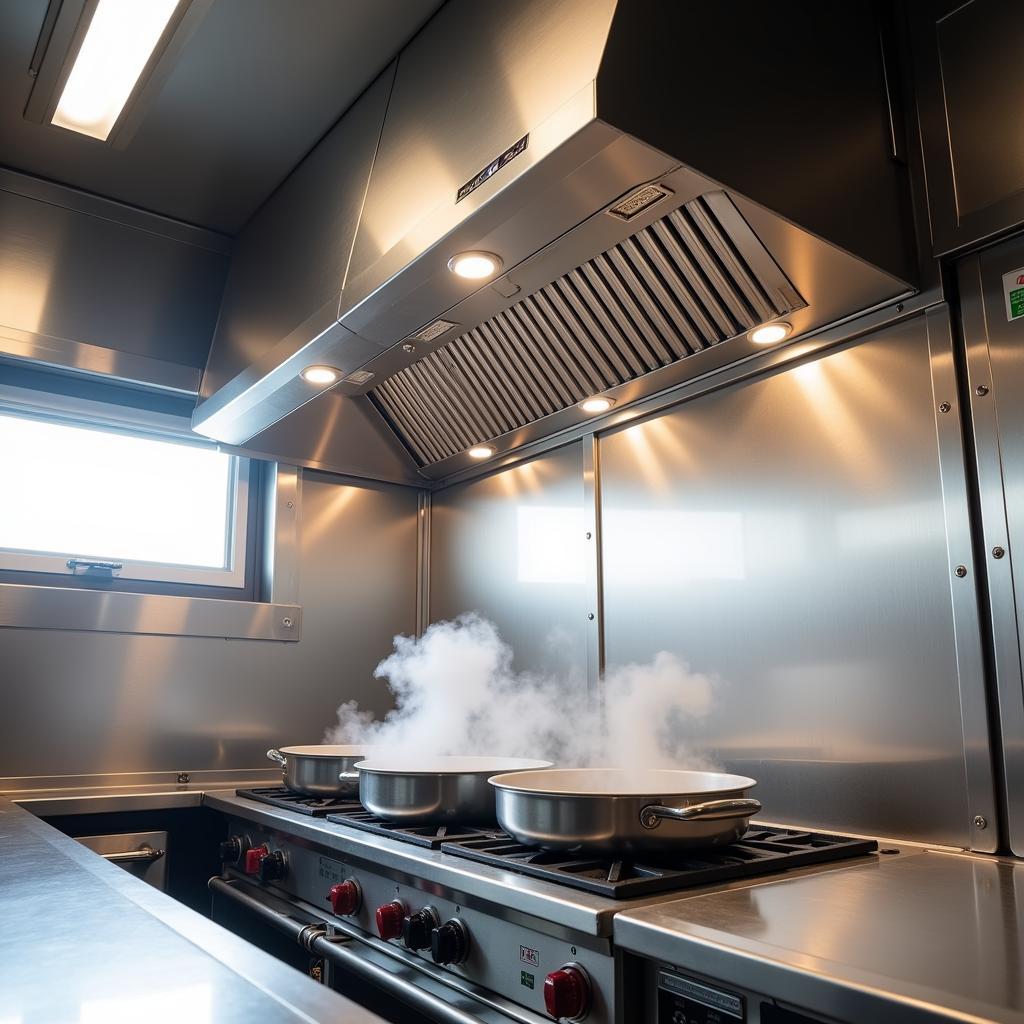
(166, 510)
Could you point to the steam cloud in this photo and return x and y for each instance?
(455, 693)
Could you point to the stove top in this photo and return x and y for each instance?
(435, 837)
(762, 850)
(314, 806)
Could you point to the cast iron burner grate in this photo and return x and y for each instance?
(761, 851)
(315, 806)
(431, 836)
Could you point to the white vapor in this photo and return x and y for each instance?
(455, 693)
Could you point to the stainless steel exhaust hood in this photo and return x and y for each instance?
(657, 179)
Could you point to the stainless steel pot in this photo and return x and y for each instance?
(321, 769)
(609, 811)
(435, 790)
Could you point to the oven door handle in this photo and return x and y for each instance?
(314, 938)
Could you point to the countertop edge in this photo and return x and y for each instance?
(279, 983)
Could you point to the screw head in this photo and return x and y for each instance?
(409, 348)
(980, 821)
(945, 407)
(590, 615)
(899, 307)
(981, 389)
(291, 504)
(998, 552)
(589, 535)
(961, 571)
(287, 622)
(184, 778)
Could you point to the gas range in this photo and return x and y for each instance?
(469, 914)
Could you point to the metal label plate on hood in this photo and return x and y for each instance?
(492, 168)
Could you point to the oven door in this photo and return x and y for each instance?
(384, 978)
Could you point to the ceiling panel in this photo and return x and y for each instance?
(255, 87)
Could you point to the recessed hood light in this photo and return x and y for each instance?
(118, 45)
(770, 334)
(597, 404)
(482, 451)
(320, 374)
(475, 265)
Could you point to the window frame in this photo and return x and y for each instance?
(81, 413)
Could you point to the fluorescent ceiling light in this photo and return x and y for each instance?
(770, 334)
(474, 265)
(117, 47)
(320, 374)
(482, 451)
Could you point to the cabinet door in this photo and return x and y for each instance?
(970, 79)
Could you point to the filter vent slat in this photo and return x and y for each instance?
(693, 279)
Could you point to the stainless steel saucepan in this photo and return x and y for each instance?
(435, 790)
(609, 811)
(320, 769)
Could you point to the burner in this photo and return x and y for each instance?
(315, 806)
(761, 851)
(430, 836)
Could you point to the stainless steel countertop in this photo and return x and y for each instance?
(939, 936)
(85, 941)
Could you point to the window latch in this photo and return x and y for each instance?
(91, 567)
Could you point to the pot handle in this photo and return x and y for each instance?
(277, 757)
(348, 776)
(713, 810)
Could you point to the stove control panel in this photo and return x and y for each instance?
(484, 943)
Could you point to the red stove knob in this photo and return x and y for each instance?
(567, 993)
(390, 919)
(345, 897)
(253, 857)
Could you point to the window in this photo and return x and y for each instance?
(157, 508)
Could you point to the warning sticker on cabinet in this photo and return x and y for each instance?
(1013, 290)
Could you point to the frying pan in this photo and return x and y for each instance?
(435, 790)
(611, 811)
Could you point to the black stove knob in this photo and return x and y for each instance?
(273, 867)
(449, 943)
(417, 927)
(231, 850)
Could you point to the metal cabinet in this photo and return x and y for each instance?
(992, 309)
(970, 82)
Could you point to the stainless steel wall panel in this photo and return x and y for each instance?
(512, 547)
(788, 535)
(995, 378)
(96, 703)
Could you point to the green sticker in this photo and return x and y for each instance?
(526, 978)
(1013, 293)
